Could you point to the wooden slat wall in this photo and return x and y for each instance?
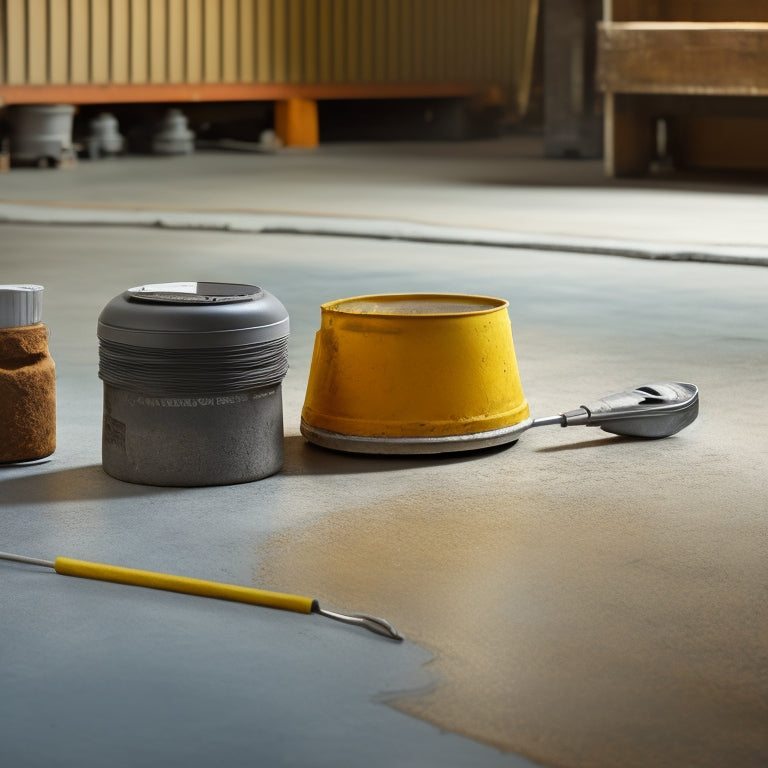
(193, 40)
(3, 37)
(139, 48)
(119, 43)
(96, 42)
(15, 41)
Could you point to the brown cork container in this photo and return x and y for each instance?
(27, 378)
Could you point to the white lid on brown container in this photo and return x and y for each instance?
(20, 305)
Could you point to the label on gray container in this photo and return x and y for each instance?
(201, 401)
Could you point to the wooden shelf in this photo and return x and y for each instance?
(192, 92)
(699, 68)
(705, 58)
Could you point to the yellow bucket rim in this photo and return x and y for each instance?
(485, 305)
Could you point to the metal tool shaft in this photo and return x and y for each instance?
(27, 560)
(201, 587)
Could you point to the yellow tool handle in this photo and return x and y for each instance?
(132, 576)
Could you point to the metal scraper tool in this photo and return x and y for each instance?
(655, 410)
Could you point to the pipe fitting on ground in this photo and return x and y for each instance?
(192, 378)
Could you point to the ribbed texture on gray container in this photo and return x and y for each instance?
(181, 338)
(165, 372)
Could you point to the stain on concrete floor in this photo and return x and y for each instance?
(593, 632)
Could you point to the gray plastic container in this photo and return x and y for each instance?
(41, 132)
(192, 378)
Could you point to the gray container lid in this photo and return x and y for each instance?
(193, 316)
(20, 305)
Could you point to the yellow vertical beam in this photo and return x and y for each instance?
(230, 41)
(311, 34)
(294, 57)
(176, 28)
(212, 41)
(100, 41)
(263, 41)
(296, 122)
(279, 40)
(119, 51)
(139, 42)
(158, 47)
(247, 63)
(79, 41)
(37, 42)
(16, 20)
(194, 41)
(295, 53)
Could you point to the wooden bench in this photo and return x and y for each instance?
(704, 78)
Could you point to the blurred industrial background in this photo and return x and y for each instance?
(648, 86)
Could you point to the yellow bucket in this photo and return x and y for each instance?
(414, 373)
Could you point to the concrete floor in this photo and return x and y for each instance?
(500, 191)
(575, 599)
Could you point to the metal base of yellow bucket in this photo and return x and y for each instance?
(402, 446)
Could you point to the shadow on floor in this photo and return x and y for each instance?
(303, 458)
(607, 441)
(74, 484)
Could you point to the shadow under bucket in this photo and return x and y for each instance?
(414, 373)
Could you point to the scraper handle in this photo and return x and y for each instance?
(134, 577)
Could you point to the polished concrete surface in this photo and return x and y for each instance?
(576, 599)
